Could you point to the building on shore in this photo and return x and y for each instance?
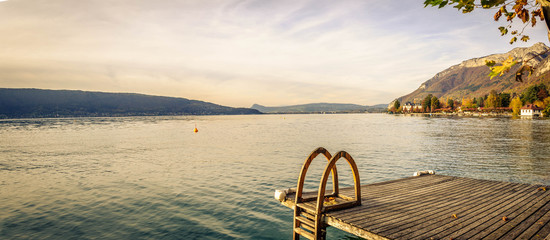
(412, 107)
(531, 110)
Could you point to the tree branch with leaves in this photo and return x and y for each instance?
(529, 12)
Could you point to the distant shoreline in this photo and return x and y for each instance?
(477, 115)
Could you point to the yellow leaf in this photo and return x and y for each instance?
(504, 68)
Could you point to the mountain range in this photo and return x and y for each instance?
(471, 77)
(32, 103)
(321, 108)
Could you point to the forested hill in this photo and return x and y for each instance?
(33, 103)
(320, 107)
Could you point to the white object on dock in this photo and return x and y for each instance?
(427, 172)
(281, 194)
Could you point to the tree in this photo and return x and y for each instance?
(516, 105)
(480, 102)
(396, 104)
(539, 103)
(546, 101)
(467, 103)
(525, 10)
(531, 94)
(543, 92)
(492, 100)
(546, 111)
(427, 102)
(504, 99)
(434, 103)
(450, 103)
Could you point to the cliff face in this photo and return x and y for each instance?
(471, 77)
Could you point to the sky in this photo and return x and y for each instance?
(240, 52)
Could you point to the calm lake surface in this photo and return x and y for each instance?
(153, 178)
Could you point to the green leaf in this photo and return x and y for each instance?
(503, 31)
(513, 40)
(491, 3)
(490, 63)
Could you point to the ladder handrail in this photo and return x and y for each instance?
(305, 166)
(323, 184)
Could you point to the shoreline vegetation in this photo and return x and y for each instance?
(535, 101)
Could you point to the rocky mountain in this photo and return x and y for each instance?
(320, 108)
(471, 77)
(32, 103)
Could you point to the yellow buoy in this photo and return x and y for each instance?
(196, 130)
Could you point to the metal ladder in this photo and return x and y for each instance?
(308, 220)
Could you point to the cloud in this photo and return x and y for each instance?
(239, 52)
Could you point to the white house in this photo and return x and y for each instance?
(531, 110)
(418, 106)
(408, 107)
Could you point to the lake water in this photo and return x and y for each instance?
(154, 178)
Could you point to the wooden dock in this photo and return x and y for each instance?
(432, 207)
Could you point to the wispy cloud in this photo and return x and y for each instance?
(239, 52)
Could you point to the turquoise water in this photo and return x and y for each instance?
(153, 178)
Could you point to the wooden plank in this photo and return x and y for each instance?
(305, 221)
(493, 220)
(544, 231)
(528, 222)
(471, 213)
(305, 233)
(533, 232)
(478, 220)
(307, 215)
(378, 206)
(376, 190)
(516, 218)
(386, 210)
(399, 212)
(442, 213)
(421, 208)
(424, 211)
(308, 206)
(369, 192)
(337, 223)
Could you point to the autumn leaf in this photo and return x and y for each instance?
(504, 68)
(498, 15)
(519, 73)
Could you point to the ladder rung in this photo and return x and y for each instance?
(306, 207)
(311, 229)
(305, 233)
(307, 215)
(305, 221)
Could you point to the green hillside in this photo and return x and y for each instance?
(34, 103)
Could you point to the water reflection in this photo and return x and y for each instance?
(153, 178)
